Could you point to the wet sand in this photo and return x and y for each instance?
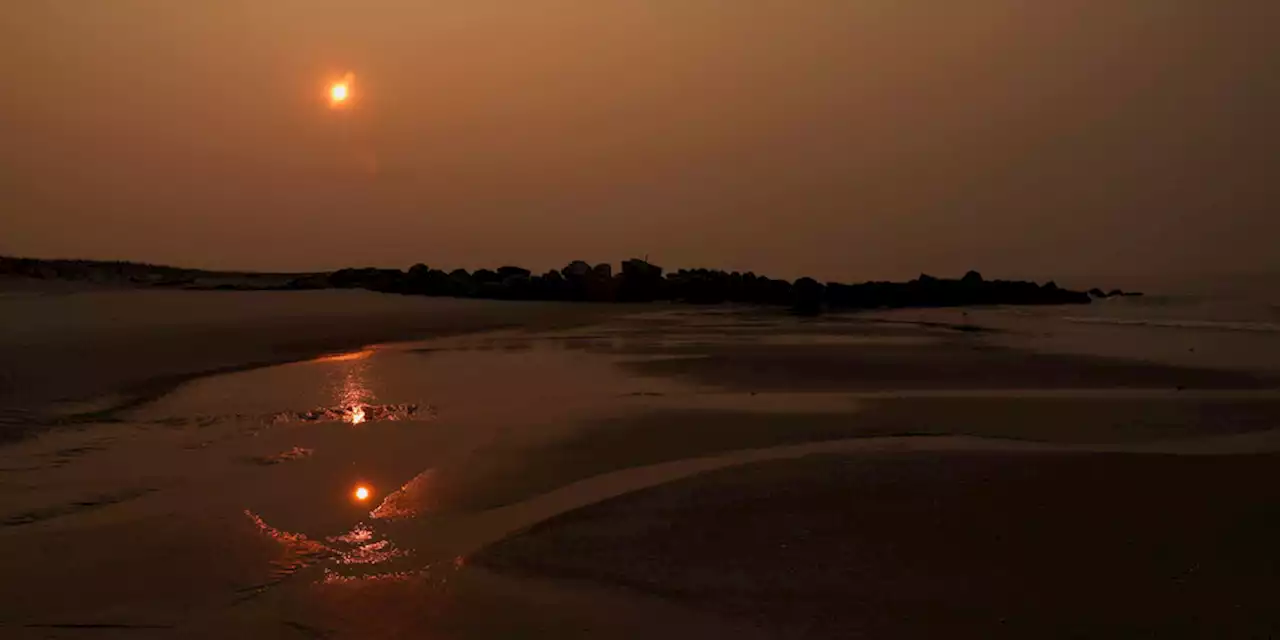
(943, 545)
(685, 472)
(84, 355)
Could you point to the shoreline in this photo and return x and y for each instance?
(163, 340)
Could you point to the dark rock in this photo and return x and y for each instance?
(384, 280)
(507, 272)
(462, 284)
(808, 296)
(517, 287)
(308, 282)
(639, 281)
(576, 269)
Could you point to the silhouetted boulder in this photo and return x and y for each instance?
(384, 280)
(808, 296)
(416, 280)
(550, 286)
(639, 281)
(641, 270)
(698, 286)
(600, 285)
(461, 283)
(347, 278)
(507, 272)
(576, 269)
(308, 282)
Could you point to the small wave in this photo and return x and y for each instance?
(1211, 325)
(56, 511)
(296, 453)
(356, 414)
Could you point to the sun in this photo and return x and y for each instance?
(340, 91)
(362, 493)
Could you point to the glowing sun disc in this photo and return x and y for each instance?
(362, 493)
(340, 90)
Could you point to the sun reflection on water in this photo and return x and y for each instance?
(355, 415)
(345, 357)
(361, 546)
(408, 501)
(353, 393)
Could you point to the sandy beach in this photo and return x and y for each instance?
(542, 470)
(774, 320)
(78, 354)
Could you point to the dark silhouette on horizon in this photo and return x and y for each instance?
(637, 281)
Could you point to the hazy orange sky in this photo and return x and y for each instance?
(845, 139)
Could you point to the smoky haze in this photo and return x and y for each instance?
(844, 139)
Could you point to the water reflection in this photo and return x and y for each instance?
(372, 549)
(353, 394)
(346, 357)
(361, 546)
(295, 453)
(355, 415)
(367, 413)
(297, 550)
(407, 501)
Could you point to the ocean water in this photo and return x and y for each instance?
(1233, 324)
(1231, 306)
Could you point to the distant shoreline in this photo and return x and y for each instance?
(636, 281)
